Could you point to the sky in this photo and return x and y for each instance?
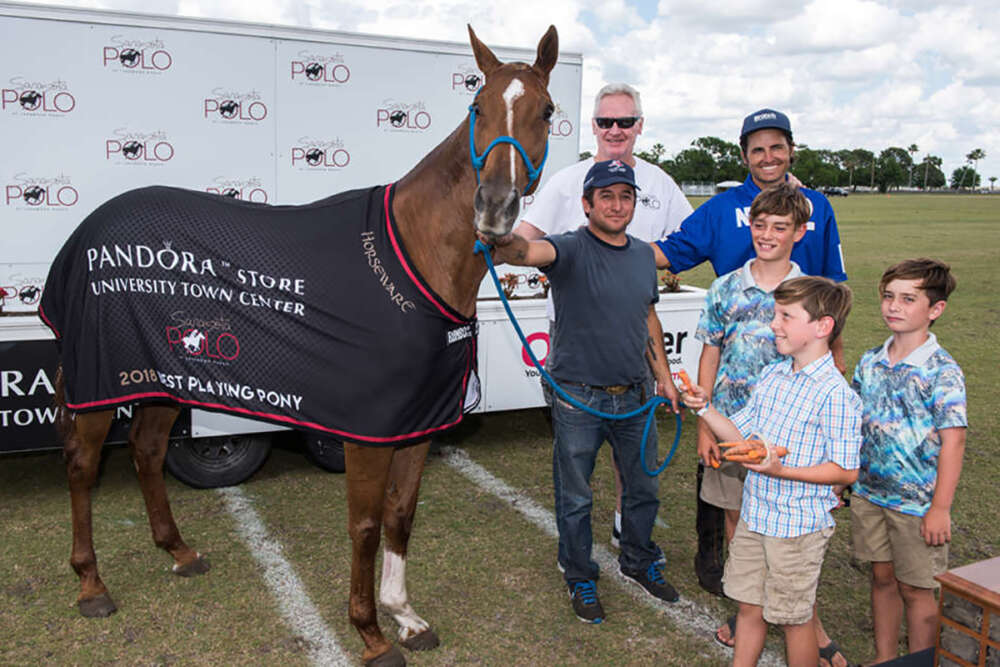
(849, 73)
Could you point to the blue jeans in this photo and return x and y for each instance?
(578, 437)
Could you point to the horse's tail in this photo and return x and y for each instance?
(64, 418)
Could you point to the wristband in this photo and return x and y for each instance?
(702, 410)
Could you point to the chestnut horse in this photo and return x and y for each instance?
(439, 205)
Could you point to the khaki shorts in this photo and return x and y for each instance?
(880, 534)
(779, 574)
(723, 486)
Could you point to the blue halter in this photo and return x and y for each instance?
(479, 160)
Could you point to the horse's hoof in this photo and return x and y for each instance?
(423, 641)
(199, 565)
(391, 658)
(101, 606)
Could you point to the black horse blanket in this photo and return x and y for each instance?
(310, 316)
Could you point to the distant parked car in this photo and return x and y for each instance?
(835, 192)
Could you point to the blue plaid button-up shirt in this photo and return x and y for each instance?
(813, 413)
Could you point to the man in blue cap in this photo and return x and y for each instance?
(719, 230)
(606, 332)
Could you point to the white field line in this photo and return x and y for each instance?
(685, 614)
(298, 610)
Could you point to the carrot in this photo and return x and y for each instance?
(752, 454)
(744, 458)
(742, 443)
(686, 380)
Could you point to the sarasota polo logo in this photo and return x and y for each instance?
(310, 153)
(136, 56)
(25, 192)
(23, 291)
(202, 340)
(132, 147)
(651, 202)
(312, 68)
(24, 97)
(232, 106)
(395, 116)
(560, 126)
(247, 189)
(466, 79)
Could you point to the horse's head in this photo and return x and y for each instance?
(513, 105)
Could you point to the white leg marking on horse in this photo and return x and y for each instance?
(300, 614)
(392, 595)
(685, 613)
(514, 90)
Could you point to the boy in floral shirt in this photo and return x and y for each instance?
(913, 430)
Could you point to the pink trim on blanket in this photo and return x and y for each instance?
(111, 402)
(406, 266)
(41, 313)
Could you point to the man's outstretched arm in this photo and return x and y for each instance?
(519, 251)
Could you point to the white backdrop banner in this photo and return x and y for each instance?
(92, 108)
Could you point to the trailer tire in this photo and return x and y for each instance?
(209, 463)
(326, 453)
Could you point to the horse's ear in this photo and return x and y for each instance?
(485, 59)
(548, 52)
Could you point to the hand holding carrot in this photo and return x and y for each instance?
(693, 395)
(758, 455)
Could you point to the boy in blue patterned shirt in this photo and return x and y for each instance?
(802, 403)
(913, 431)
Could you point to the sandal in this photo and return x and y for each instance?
(829, 651)
(731, 622)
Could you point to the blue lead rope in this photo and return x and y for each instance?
(650, 405)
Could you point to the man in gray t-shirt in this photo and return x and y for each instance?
(607, 330)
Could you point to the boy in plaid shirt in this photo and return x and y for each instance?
(913, 430)
(801, 403)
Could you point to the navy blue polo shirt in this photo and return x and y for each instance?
(719, 231)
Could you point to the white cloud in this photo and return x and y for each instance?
(837, 25)
(850, 73)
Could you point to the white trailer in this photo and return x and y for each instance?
(94, 103)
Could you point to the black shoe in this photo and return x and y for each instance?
(709, 575)
(651, 580)
(586, 606)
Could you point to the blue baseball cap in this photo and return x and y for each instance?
(765, 119)
(609, 172)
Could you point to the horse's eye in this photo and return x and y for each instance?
(547, 114)
(475, 109)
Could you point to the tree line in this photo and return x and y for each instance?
(713, 160)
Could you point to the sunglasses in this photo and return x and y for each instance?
(624, 123)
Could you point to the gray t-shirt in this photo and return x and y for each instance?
(602, 296)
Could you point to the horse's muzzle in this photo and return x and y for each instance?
(496, 209)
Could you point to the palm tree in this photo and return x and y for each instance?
(930, 161)
(993, 179)
(975, 156)
(912, 150)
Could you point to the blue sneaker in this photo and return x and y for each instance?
(651, 580)
(586, 606)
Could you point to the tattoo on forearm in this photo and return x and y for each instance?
(651, 344)
(521, 254)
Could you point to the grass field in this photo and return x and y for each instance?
(480, 572)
